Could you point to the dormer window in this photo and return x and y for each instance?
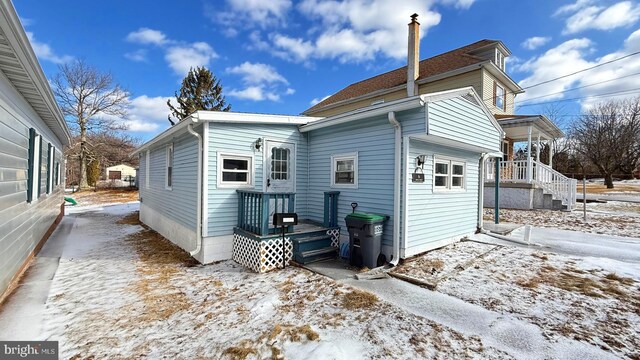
(499, 60)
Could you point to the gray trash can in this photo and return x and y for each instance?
(365, 239)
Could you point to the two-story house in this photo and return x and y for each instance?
(525, 184)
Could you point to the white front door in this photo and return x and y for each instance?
(279, 166)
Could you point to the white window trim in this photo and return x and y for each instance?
(35, 181)
(147, 168)
(251, 171)
(58, 168)
(348, 156)
(169, 153)
(502, 97)
(450, 161)
(50, 169)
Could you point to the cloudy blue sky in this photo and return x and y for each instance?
(282, 56)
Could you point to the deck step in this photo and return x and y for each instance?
(306, 257)
(311, 243)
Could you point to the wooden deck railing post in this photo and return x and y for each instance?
(264, 222)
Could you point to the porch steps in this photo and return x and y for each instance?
(313, 248)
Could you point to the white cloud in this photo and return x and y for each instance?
(535, 42)
(317, 100)
(148, 114)
(573, 55)
(242, 14)
(139, 55)
(257, 73)
(352, 30)
(585, 15)
(183, 57)
(147, 36)
(254, 93)
(45, 52)
(460, 4)
(262, 82)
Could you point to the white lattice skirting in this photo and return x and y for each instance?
(335, 237)
(261, 256)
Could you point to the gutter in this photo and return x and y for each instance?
(396, 188)
(199, 189)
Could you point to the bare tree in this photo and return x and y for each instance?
(608, 136)
(91, 103)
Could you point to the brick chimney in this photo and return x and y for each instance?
(413, 56)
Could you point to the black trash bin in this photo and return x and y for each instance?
(365, 239)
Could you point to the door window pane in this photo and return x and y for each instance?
(279, 163)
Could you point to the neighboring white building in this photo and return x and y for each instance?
(119, 172)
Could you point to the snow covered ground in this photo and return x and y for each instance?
(587, 298)
(121, 291)
(611, 218)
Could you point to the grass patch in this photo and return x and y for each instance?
(358, 299)
(531, 283)
(620, 279)
(104, 196)
(240, 352)
(131, 219)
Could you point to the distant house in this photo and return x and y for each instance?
(525, 184)
(212, 182)
(120, 172)
(32, 135)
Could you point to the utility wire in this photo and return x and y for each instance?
(581, 87)
(630, 91)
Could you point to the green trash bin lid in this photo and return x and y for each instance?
(367, 217)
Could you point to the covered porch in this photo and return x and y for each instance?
(522, 173)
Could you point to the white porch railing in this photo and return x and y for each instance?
(531, 171)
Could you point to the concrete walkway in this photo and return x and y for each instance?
(517, 338)
(21, 316)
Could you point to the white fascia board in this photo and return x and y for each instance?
(182, 125)
(366, 112)
(19, 43)
(249, 118)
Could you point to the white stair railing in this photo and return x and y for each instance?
(560, 186)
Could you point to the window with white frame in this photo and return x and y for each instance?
(448, 174)
(169, 173)
(499, 96)
(344, 170)
(235, 170)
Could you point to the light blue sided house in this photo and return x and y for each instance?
(32, 136)
(212, 182)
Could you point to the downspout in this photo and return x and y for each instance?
(396, 188)
(199, 193)
(483, 158)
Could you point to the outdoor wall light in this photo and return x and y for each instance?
(258, 144)
(420, 160)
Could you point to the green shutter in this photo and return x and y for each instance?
(31, 170)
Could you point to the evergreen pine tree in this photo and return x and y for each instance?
(200, 91)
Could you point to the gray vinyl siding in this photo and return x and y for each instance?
(22, 224)
(374, 141)
(437, 216)
(240, 138)
(463, 121)
(180, 202)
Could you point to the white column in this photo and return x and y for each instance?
(538, 149)
(529, 164)
(550, 142)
